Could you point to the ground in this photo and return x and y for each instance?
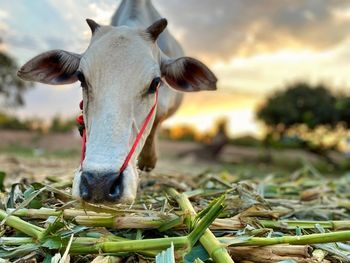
(33, 156)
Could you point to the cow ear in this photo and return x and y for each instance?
(188, 74)
(54, 67)
(157, 28)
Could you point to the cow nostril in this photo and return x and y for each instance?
(100, 187)
(85, 195)
(116, 188)
(84, 188)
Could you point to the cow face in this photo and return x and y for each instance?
(118, 74)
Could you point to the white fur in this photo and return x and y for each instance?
(76, 183)
(116, 102)
(117, 79)
(119, 65)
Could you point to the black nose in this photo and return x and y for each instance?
(98, 187)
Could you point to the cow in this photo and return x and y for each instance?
(125, 68)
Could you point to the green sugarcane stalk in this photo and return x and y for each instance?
(44, 213)
(41, 213)
(90, 218)
(147, 244)
(15, 241)
(21, 225)
(124, 222)
(293, 224)
(89, 245)
(184, 242)
(82, 244)
(338, 236)
(95, 246)
(218, 253)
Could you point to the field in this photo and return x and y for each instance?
(32, 155)
(294, 209)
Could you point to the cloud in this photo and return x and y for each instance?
(212, 30)
(224, 28)
(22, 41)
(264, 72)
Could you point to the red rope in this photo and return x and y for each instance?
(80, 122)
(81, 126)
(139, 135)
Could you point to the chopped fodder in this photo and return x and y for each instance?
(303, 217)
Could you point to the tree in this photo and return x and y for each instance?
(60, 125)
(300, 103)
(11, 87)
(310, 112)
(343, 109)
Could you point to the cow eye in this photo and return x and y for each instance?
(154, 85)
(81, 78)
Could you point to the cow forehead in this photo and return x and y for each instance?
(119, 39)
(119, 47)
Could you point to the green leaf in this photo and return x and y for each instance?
(197, 252)
(166, 256)
(18, 251)
(75, 230)
(48, 258)
(29, 195)
(54, 227)
(52, 242)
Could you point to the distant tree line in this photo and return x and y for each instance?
(314, 116)
(57, 125)
(12, 88)
(61, 125)
(11, 122)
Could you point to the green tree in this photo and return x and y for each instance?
(343, 109)
(11, 87)
(309, 112)
(300, 103)
(12, 122)
(62, 126)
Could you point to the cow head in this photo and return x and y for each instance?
(119, 73)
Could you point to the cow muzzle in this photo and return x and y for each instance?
(101, 187)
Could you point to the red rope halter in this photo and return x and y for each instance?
(81, 126)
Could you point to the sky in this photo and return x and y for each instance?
(253, 46)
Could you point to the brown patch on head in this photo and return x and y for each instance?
(121, 40)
